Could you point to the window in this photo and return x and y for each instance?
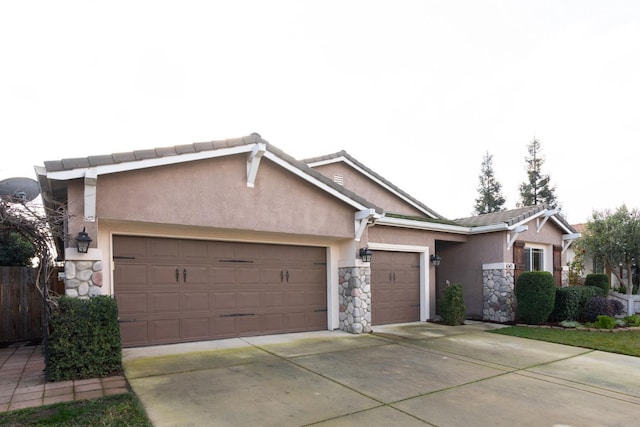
(533, 259)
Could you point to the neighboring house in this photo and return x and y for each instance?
(233, 238)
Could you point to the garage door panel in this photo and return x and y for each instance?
(132, 275)
(163, 275)
(273, 323)
(164, 330)
(273, 299)
(249, 300)
(132, 303)
(130, 246)
(164, 249)
(249, 325)
(194, 250)
(134, 333)
(223, 327)
(247, 276)
(165, 302)
(223, 276)
(193, 328)
(225, 301)
(194, 276)
(195, 301)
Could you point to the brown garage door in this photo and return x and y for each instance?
(395, 287)
(173, 290)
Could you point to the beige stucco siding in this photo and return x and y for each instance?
(214, 193)
(462, 263)
(368, 189)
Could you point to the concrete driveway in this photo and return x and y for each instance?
(408, 375)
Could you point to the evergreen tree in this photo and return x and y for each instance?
(536, 190)
(490, 197)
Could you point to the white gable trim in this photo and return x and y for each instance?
(148, 163)
(374, 179)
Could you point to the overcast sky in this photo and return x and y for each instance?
(416, 90)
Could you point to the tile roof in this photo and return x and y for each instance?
(509, 217)
(344, 154)
(138, 155)
(132, 156)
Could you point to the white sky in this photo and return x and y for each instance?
(416, 90)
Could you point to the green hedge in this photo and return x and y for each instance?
(535, 296)
(85, 339)
(598, 280)
(570, 302)
(452, 309)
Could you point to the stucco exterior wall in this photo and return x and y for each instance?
(213, 193)
(462, 263)
(369, 190)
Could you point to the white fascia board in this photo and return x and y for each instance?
(422, 225)
(561, 225)
(372, 178)
(148, 163)
(335, 193)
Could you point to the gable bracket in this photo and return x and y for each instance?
(253, 162)
(362, 220)
(567, 240)
(548, 214)
(90, 184)
(512, 236)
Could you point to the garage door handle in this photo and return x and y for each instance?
(287, 276)
(184, 275)
(177, 275)
(281, 276)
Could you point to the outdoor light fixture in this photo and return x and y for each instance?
(435, 260)
(365, 254)
(83, 241)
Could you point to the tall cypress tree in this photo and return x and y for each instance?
(490, 197)
(537, 189)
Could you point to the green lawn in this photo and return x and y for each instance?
(626, 342)
(117, 410)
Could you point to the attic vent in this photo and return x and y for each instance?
(338, 179)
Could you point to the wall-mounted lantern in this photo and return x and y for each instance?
(366, 254)
(435, 260)
(83, 241)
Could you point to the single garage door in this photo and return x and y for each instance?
(176, 290)
(395, 287)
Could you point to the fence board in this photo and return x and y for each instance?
(20, 305)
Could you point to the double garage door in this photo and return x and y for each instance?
(175, 290)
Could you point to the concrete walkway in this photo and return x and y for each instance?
(413, 374)
(22, 382)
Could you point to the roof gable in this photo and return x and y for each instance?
(344, 157)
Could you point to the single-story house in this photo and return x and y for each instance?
(233, 238)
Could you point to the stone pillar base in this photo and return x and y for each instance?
(498, 292)
(355, 299)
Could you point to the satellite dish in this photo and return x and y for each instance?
(19, 189)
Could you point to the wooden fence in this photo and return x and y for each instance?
(20, 305)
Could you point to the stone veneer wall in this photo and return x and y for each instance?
(83, 278)
(498, 292)
(355, 299)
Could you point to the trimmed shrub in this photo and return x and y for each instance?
(595, 307)
(598, 280)
(570, 302)
(617, 308)
(535, 296)
(605, 322)
(85, 339)
(452, 309)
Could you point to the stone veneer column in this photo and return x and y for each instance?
(498, 292)
(355, 299)
(83, 273)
